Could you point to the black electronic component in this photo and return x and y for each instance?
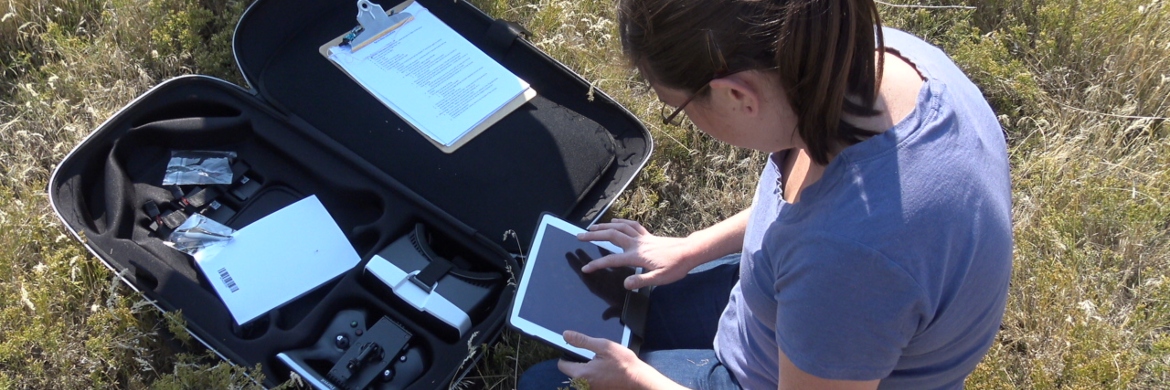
(380, 357)
(370, 355)
(239, 168)
(246, 188)
(198, 198)
(219, 212)
(154, 214)
(173, 219)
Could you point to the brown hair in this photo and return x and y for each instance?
(822, 50)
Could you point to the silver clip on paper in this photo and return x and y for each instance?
(373, 23)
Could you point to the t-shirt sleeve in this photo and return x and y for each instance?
(844, 311)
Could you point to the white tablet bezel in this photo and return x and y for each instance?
(548, 221)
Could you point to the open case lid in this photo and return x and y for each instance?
(568, 151)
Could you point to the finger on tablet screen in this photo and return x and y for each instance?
(627, 229)
(613, 236)
(608, 261)
(634, 224)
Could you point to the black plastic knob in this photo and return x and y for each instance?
(387, 375)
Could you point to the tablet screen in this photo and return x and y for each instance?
(560, 297)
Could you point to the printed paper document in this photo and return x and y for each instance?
(434, 79)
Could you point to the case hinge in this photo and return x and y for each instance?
(503, 33)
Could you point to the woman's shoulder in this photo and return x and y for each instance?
(920, 52)
(937, 68)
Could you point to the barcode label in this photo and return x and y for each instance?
(227, 280)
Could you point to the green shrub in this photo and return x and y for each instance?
(198, 33)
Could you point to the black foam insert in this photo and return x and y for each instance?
(100, 188)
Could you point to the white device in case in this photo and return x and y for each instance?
(430, 302)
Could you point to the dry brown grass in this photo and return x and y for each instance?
(1082, 87)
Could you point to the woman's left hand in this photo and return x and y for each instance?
(612, 367)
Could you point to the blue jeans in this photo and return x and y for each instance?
(680, 331)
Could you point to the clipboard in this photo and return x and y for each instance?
(374, 22)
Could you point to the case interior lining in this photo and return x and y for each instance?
(372, 211)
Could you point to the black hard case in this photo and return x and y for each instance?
(306, 128)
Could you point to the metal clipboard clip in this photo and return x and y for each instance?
(373, 23)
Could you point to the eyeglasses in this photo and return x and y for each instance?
(674, 119)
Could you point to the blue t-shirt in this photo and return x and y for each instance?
(895, 264)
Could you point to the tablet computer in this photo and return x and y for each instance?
(555, 296)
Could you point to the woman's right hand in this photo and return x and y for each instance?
(664, 260)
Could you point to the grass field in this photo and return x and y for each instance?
(1082, 88)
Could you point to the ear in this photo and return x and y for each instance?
(736, 93)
